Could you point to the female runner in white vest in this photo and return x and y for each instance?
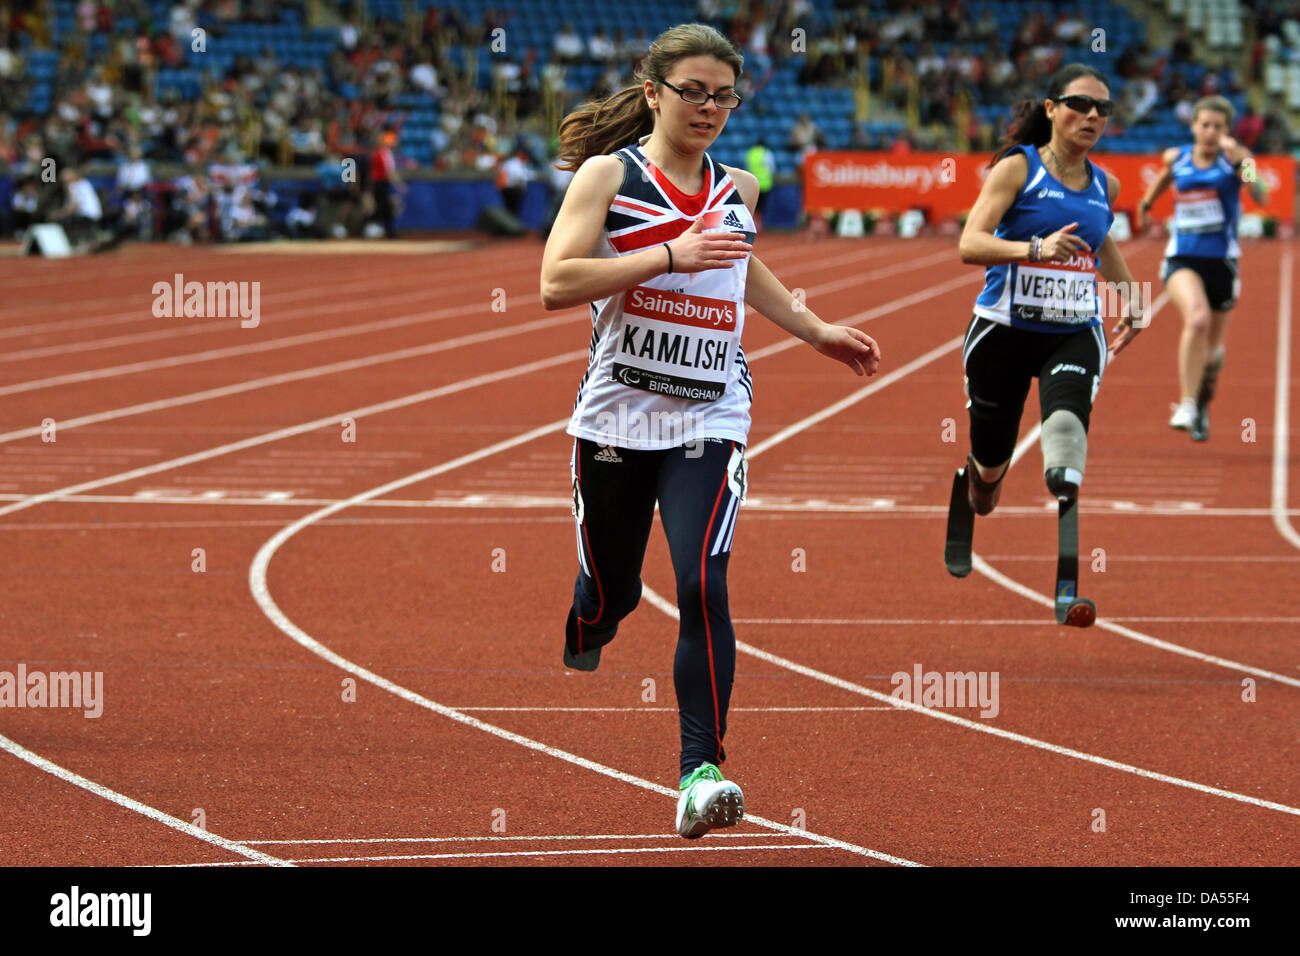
(658, 238)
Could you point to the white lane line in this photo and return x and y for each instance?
(99, 790)
(278, 434)
(1282, 407)
(712, 835)
(993, 574)
(524, 853)
(269, 345)
(853, 398)
(349, 365)
(671, 610)
(866, 315)
(659, 710)
(1108, 624)
(498, 501)
(257, 574)
(286, 377)
(979, 622)
(144, 312)
(1174, 558)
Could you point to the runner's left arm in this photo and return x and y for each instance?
(1247, 170)
(765, 293)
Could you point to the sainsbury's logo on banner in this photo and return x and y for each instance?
(883, 173)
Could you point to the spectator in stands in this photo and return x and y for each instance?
(600, 48)
(1276, 137)
(1249, 128)
(513, 176)
(303, 222)
(424, 76)
(1071, 27)
(181, 21)
(133, 175)
(306, 141)
(805, 137)
(927, 61)
(567, 47)
(24, 206)
(386, 182)
(82, 213)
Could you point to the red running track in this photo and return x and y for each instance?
(367, 668)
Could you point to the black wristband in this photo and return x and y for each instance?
(670, 256)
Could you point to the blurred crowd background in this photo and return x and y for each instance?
(179, 110)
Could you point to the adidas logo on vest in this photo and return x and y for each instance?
(733, 220)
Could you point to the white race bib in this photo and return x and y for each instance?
(1063, 292)
(1198, 210)
(677, 344)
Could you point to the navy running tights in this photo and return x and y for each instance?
(698, 488)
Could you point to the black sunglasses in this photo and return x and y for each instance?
(1082, 104)
(724, 101)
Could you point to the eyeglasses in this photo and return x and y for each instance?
(1083, 104)
(724, 101)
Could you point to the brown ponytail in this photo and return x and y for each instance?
(603, 126)
(1029, 122)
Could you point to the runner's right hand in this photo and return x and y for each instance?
(696, 251)
(1062, 245)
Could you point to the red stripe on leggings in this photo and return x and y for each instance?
(704, 601)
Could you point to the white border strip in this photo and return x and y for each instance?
(99, 790)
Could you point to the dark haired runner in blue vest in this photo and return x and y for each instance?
(1040, 227)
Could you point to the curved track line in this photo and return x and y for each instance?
(671, 610)
(997, 577)
(36, 760)
(261, 594)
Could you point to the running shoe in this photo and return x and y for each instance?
(1184, 416)
(708, 802)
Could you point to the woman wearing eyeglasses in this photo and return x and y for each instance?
(1040, 227)
(1200, 268)
(657, 237)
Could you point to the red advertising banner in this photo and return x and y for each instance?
(944, 184)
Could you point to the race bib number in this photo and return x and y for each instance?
(1198, 210)
(677, 344)
(1063, 292)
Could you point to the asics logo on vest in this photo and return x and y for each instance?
(1069, 368)
(1050, 193)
